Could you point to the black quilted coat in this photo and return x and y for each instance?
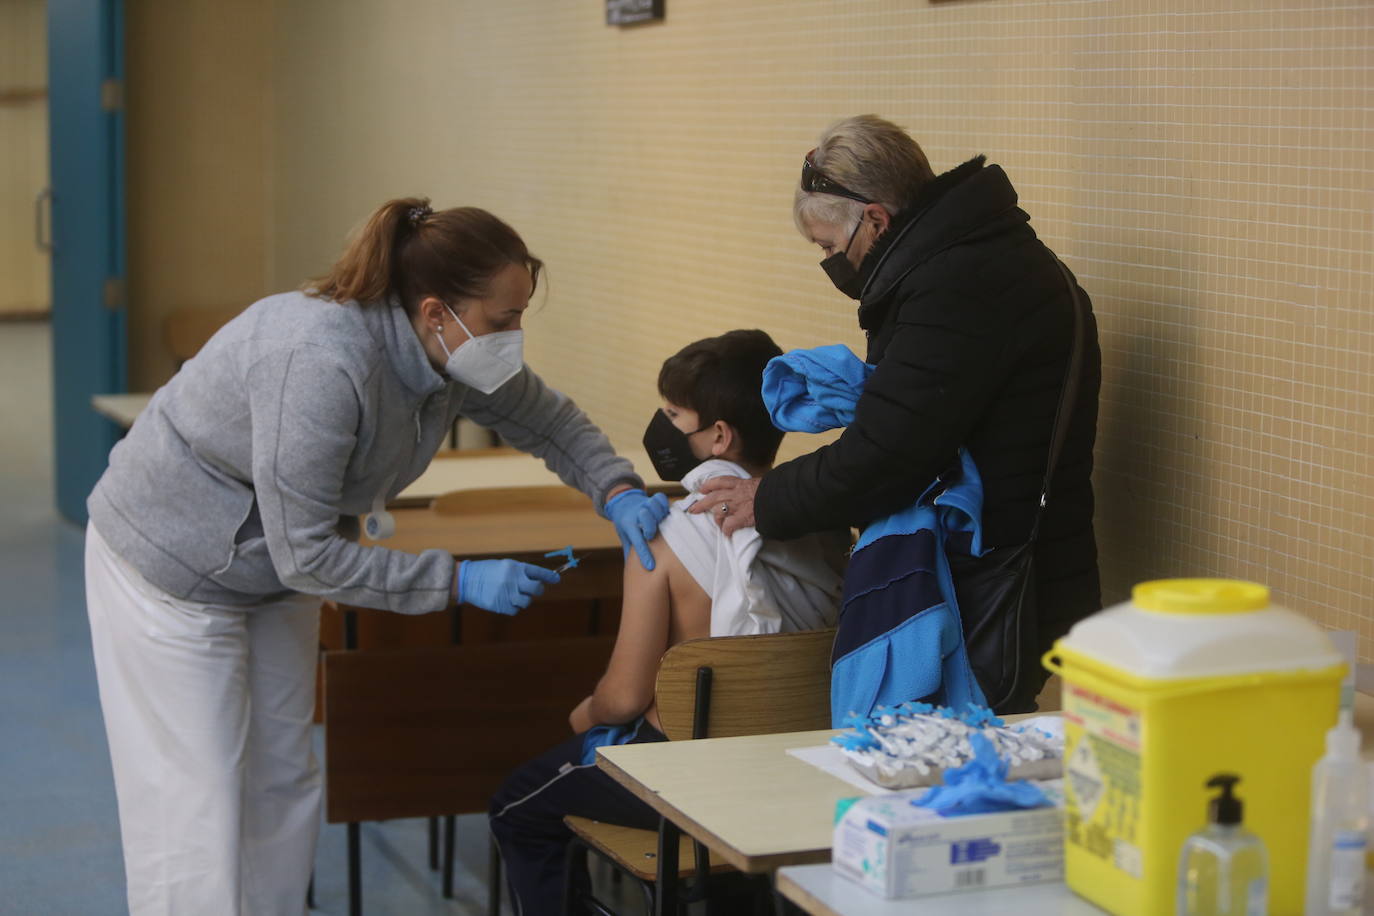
(969, 323)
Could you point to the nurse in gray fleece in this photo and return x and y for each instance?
(229, 511)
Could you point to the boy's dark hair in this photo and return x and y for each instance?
(721, 378)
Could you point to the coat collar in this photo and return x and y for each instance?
(391, 326)
(946, 210)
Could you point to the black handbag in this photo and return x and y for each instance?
(996, 592)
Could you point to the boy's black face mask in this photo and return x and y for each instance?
(669, 449)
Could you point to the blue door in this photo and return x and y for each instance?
(86, 123)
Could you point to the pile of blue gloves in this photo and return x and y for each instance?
(980, 786)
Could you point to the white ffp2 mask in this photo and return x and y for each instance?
(486, 362)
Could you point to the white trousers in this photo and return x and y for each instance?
(208, 714)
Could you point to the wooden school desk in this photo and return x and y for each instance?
(520, 529)
(121, 408)
(501, 532)
(753, 805)
(513, 527)
(750, 802)
(476, 469)
(821, 891)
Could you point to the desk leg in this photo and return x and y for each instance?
(493, 878)
(449, 852)
(350, 629)
(355, 871)
(782, 906)
(665, 901)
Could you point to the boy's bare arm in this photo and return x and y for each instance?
(627, 687)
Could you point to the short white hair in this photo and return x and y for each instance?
(871, 157)
(809, 208)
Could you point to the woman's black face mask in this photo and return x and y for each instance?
(669, 449)
(844, 275)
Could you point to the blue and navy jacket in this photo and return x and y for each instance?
(899, 636)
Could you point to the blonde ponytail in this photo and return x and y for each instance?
(364, 271)
(409, 251)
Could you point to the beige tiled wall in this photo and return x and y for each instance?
(1207, 167)
(198, 127)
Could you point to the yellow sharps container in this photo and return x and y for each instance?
(1190, 678)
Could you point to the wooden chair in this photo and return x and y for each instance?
(758, 685)
(425, 732)
(713, 688)
(1051, 696)
(632, 851)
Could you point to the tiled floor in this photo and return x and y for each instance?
(59, 835)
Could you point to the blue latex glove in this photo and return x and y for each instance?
(503, 586)
(636, 517)
(981, 786)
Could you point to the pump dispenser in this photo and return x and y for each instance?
(1340, 821)
(1225, 808)
(1223, 869)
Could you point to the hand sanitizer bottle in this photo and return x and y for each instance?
(1340, 821)
(1223, 869)
(1340, 815)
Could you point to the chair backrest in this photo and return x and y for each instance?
(758, 684)
(1051, 698)
(187, 329)
(423, 732)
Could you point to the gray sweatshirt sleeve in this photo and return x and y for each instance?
(535, 418)
(305, 412)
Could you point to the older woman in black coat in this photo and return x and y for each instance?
(970, 324)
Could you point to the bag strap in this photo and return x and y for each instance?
(1068, 395)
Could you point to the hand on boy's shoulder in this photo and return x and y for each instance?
(729, 500)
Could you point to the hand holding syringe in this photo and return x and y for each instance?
(572, 561)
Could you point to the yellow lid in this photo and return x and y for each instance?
(1200, 596)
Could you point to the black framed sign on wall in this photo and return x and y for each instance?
(629, 12)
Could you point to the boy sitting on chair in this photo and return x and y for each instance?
(712, 423)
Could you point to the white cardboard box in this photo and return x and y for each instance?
(897, 849)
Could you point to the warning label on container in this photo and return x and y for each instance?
(1102, 770)
(1085, 778)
